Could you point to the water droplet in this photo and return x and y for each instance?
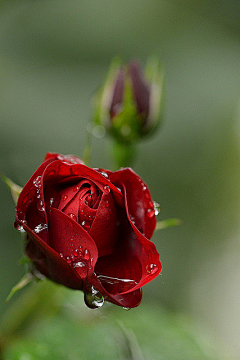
(40, 205)
(104, 174)
(72, 216)
(80, 249)
(65, 197)
(119, 189)
(83, 223)
(20, 228)
(75, 252)
(76, 188)
(38, 193)
(61, 255)
(86, 254)
(144, 187)
(37, 181)
(39, 228)
(106, 188)
(93, 299)
(156, 208)
(147, 196)
(150, 212)
(68, 260)
(126, 308)
(51, 201)
(107, 204)
(152, 269)
(79, 264)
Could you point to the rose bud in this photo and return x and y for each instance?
(89, 229)
(129, 105)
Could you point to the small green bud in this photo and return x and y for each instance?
(129, 105)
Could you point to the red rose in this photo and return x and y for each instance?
(89, 229)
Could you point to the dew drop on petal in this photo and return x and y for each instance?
(93, 299)
(76, 188)
(86, 254)
(37, 181)
(61, 255)
(150, 212)
(106, 188)
(75, 252)
(147, 196)
(68, 259)
(65, 197)
(156, 208)
(107, 204)
(152, 269)
(40, 205)
(39, 228)
(79, 264)
(72, 216)
(83, 223)
(103, 173)
(126, 308)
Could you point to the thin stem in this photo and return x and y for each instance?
(88, 146)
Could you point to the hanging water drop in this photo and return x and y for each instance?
(93, 299)
(157, 208)
(20, 228)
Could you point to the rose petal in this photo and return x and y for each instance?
(51, 264)
(72, 241)
(141, 89)
(31, 207)
(138, 200)
(69, 158)
(104, 229)
(128, 300)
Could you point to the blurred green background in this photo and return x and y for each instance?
(53, 56)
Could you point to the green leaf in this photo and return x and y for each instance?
(27, 278)
(164, 224)
(15, 189)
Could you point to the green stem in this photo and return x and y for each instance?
(124, 154)
(88, 146)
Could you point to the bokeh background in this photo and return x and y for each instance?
(53, 56)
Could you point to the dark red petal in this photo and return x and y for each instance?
(50, 263)
(138, 200)
(67, 237)
(104, 229)
(129, 300)
(140, 88)
(63, 173)
(31, 205)
(68, 158)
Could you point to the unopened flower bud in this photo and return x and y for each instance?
(129, 105)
